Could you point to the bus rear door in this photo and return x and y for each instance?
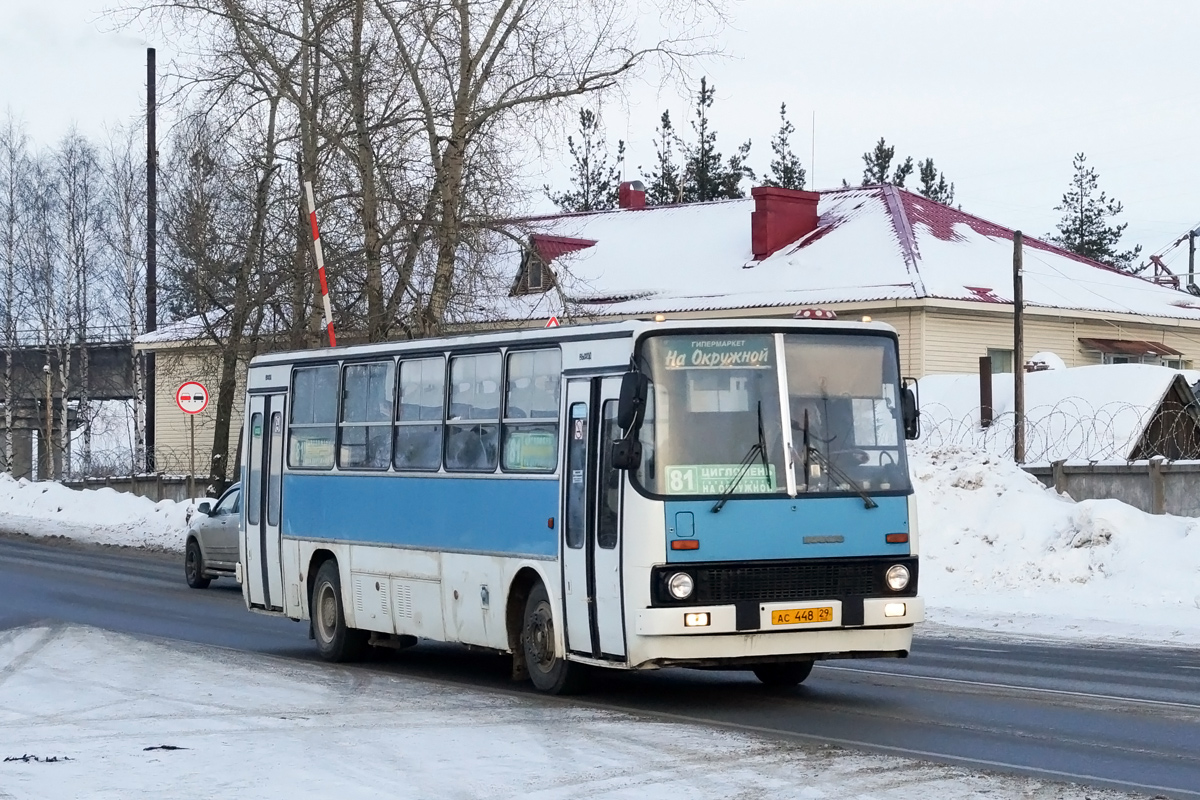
(262, 567)
(591, 543)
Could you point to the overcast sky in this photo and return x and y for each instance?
(1001, 93)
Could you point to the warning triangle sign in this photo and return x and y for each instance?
(553, 322)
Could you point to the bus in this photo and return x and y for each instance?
(729, 494)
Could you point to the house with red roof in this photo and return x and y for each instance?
(942, 277)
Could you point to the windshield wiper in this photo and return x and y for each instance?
(759, 449)
(836, 472)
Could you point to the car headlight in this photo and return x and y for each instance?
(897, 577)
(680, 585)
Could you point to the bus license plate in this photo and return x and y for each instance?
(801, 616)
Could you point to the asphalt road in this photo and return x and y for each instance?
(1125, 718)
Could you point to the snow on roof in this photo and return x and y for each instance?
(1092, 413)
(873, 243)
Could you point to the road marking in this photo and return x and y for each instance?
(1187, 666)
(1015, 688)
(979, 649)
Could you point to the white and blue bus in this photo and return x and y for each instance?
(723, 494)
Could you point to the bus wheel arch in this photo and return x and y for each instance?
(514, 617)
(315, 561)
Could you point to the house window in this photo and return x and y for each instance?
(534, 276)
(1175, 363)
(1114, 358)
(1002, 360)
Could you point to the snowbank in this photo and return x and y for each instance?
(1001, 552)
(240, 724)
(101, 516)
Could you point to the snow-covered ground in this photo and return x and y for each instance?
(100, 516)
(105, 706)
(999, 552)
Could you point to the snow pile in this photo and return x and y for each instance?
(110, 715)
(101, 516)
(1001, 552)
(1095, 413)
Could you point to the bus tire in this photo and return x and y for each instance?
(549, 671)
(336, 641)
(783, 675)
(193, 566)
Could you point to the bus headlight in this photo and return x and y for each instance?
(680, 585)
(897, 577)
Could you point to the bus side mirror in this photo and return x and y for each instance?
(632, 402)
(910, 409)
(626, 454)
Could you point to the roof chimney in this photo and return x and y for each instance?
(631, 194)
(780, 217)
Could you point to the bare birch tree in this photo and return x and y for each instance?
(80, 191)
(14, 163)
(124, 232)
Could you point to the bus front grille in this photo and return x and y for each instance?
(823, 579)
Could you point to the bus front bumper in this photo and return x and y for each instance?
(809, 616)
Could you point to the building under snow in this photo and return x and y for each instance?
(941, 276)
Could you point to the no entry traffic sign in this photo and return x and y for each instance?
(192, 397)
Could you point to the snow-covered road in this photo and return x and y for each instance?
(104, 704)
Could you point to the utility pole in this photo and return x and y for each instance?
(1191, 259)
(151, 249)
(1018, 352)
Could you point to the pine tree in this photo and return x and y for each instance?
(933, 184)
(594, 180)
(664, 183)
(707, 176)
(786, 170)
(1084, 227)
(878, 163)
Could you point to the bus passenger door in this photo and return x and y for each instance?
(591, 545)
(262, 569)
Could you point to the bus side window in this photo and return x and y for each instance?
(531, 399)
(473, 430)
(365, 429)
(314, 417)
(419, 411)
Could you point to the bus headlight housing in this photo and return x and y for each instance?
(680, 585)
(897, 577)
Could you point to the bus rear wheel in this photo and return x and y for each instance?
(336, 641)
(783, 675)
(548, 670)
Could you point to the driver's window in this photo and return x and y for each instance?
(230, 504)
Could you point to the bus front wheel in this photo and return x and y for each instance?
(783, 675)
(336, 641)
(548, 670)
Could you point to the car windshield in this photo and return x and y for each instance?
(710, 394)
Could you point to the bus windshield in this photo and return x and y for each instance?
(837, 396)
